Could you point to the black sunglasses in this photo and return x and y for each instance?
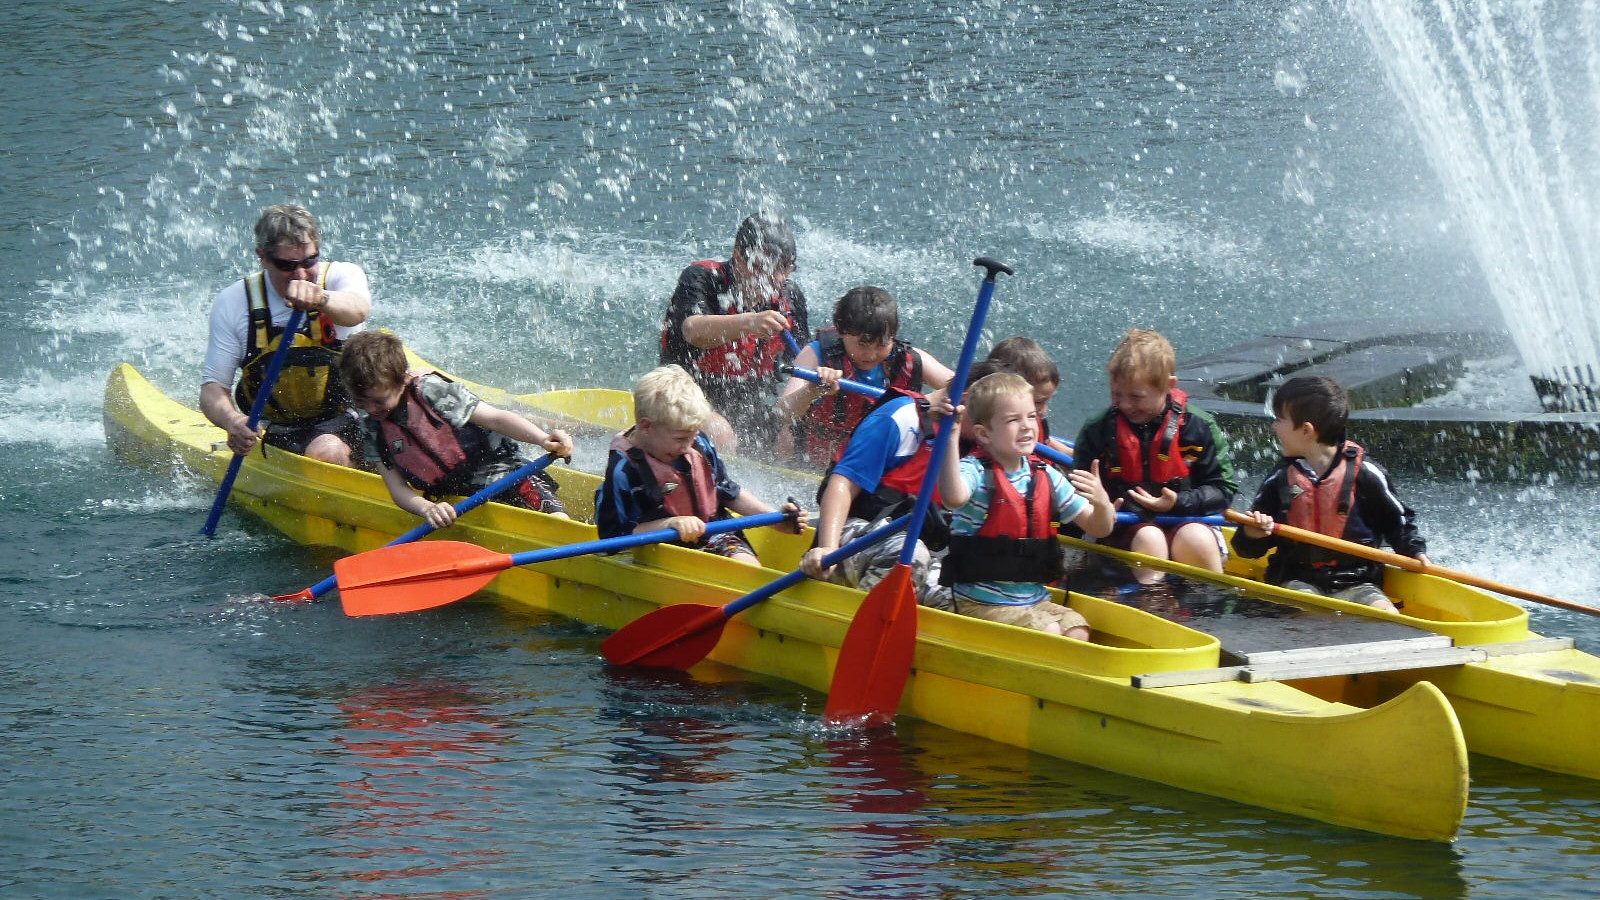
(289, 265)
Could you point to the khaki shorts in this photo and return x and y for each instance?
(1366, 594)
(1039, 616)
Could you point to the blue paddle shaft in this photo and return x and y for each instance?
(626, 541)
(476, 500)
(263, 393)
(873, 393)
(1129, 518)
(874, 536)
(958, 384)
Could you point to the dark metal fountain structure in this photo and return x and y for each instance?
(1388, 368)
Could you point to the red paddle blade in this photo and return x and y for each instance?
(875, 659)
(302, 596)
(409, 577)
(672, 637)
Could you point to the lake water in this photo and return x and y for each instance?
(522, 182)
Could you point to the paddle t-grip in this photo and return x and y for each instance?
(992, 266)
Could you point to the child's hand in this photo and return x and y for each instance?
(1156, 504)
(1261, 527)
(812, 565)
(559, 443)
(1089, 486)
(827, 380)
(797, 524)
(439, 515)
(690, 529)
(939, 406)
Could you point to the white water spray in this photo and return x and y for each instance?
(1505, 97)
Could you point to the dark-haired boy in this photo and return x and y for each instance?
(430, 437)
(1327, 484)
(861, 346)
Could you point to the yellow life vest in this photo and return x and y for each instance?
(309, 389)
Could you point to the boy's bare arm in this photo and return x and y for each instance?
(518, 428)
(837, 495)
(953, 490)
(439, 515)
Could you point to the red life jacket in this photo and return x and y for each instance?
(832, 418)
(1015, 542)
(1323, 505)
(1161, 464)
(432, 454)
(664, 481)
(745, 358)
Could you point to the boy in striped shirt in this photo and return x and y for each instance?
(1003, 548)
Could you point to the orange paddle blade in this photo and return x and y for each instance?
(672, 637)
(875, 659)
(409, 577)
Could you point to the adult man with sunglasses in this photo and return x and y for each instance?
(308, 411)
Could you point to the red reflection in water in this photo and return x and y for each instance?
(424, 793)
(886, 784)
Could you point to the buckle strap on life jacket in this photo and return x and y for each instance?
(663, 483)
(433, 455)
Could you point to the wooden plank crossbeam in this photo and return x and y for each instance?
(1350, 659)
(1360, 665)
(1345, 651)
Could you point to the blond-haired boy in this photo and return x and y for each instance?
(1003, 548)
(1158, 455)
(665, 473)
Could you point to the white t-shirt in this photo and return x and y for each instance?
(229, 338)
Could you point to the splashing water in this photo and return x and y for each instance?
(1502, 98)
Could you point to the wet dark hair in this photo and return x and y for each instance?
(1317, 399)
(1025, 357)
(768, 236)
(868, 312)
(984, 368)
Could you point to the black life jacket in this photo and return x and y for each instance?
(1015, 542)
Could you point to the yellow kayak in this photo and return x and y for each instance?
(1522, 698)
(1529, 699)
(1264, 743)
